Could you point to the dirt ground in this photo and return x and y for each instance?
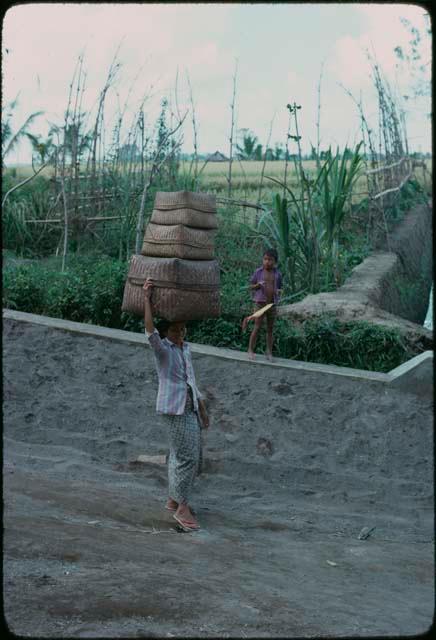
(297, 464)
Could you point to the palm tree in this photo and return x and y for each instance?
(10, 139)
(250, 149)
(42, 148)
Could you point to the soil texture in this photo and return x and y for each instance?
(316, 500)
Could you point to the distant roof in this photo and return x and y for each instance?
(217, 157)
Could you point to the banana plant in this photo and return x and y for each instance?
(297, 239)
(306, 230)
(334, 190)
(331, 196)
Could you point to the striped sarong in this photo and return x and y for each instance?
(185, 458)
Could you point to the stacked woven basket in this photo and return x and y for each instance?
(178, 254)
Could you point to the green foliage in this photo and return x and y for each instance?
(324, 340)
(219, 332)
(274, 228)
(11, 137)
(335, 186)
(410, 194)
(239, 253)
(361, 345)
(91, 290)
(415, 59)
(306, 228)
(250, 149)
(30, 202)
(24, 288)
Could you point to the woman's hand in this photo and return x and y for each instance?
(204, 418)
(148, 285)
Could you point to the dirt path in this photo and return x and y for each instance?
(296, 465)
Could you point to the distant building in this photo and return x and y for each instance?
(217, 157)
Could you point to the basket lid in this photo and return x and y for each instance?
(185, 199)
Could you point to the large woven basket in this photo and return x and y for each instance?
(183, 289)
(178, 241)
(185, 199)
(186, 216)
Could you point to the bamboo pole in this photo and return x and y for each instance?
(155, 167)
(232, 108)
(240, 203)
(264, 159)
(392, 190)
(386, 167)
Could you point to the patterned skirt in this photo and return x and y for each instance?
(185, 459)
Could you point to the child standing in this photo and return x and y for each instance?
(266, 285)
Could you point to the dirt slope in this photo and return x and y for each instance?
(296, 465)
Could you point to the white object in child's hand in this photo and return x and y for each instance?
(261, 311)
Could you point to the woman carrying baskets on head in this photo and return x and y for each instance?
(180, 403)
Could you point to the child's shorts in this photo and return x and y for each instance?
(271, 314)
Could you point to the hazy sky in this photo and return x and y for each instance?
(280, 50)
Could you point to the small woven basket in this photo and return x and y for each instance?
(185, 199)
(178, 241)
(186, 216)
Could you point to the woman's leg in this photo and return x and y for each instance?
(183, 461)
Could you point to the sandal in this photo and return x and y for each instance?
(174, 509)
(186, 525)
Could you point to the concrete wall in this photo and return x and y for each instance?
(390, 287)
(414, 376)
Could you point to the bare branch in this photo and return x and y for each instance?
(232, 108)
(17, 186)
(194, 161)
(157, 163)
(264, 158)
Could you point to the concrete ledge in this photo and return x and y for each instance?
(415, 376)
(390, 287)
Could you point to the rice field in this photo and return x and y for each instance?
(246, 177)
(247, 186)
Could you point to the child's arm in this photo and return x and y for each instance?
(254, 283)
(279, 286)
(246, 321)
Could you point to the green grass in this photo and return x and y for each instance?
(92, 289)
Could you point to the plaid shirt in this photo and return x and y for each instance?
(175, 373)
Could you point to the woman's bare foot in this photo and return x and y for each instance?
(171, 505)
(269, 357)
(251, 355)
(186, 518)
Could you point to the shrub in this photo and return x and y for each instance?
(92, 289)
(324, 340)
(24, 288)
